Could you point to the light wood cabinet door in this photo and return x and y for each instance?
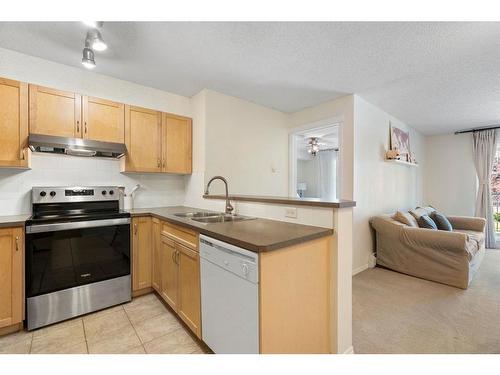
(189, 288)
(11, 276)
(103, 120)
(54, 112)
(176, 144)
(143, 140)
(13, 123)
(169, 272)
(156, 278)
(141, 253)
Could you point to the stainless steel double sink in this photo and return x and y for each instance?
(212, 217)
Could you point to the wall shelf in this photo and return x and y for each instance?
(395, 161)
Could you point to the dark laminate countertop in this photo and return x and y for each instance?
(312, 202)
(13, 221)
(255, 235)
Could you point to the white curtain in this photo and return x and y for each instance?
(327, 176)
(484, 145)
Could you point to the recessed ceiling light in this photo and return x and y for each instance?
(88, 58)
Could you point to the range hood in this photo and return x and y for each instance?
(75, 146)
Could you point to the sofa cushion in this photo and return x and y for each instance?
(425, 221)
(441, 221)
(405, 218)
(419, 211)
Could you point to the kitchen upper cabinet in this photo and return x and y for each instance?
(156, 278)
(13, 124)
(11, 276)
(103, 120)
(143, 140)
(141, 253)
(176, 144)
(169, 271)
(54, 112)
(189, 304)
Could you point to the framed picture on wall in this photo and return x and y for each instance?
(400, 140)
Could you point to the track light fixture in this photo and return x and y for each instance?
(93, 42)
(88, 57)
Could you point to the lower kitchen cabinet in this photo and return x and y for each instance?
(156, 277)
(176, 271)
(169, 272)
(11, 276)
(141, 253)
(189, 307)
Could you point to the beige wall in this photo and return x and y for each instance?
(450, 156)
(341, 109)
(247, 144)
(380, 186)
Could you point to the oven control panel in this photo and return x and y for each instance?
(63, 194)
(78, 192)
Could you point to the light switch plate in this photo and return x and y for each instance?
(291, 212)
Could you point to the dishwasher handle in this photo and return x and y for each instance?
(228, 250)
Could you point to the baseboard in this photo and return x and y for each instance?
(11, 329)
(360, 269)
(349, 350)
(140, 292)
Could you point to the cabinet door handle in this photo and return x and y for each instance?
(85, 127)
(17, 243)
(135, 229)
(173, 257)
(177, 257)
(78, 126)
(23, 157)
(163, 163)
(158, 163)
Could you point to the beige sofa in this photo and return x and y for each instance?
(446, 257)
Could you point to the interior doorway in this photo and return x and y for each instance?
(315, 162)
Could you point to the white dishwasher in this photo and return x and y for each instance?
(229, 297)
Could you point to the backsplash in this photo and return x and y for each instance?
(57, 170)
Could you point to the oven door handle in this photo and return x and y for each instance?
(55, 227)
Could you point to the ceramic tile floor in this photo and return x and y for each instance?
(142, 326)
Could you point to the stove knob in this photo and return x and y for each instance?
(52, 194)
(104, 192)
(43, 194)
(111, 192)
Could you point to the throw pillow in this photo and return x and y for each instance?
(419, 211)
(405, 218)
(425, 221)
(441, 221)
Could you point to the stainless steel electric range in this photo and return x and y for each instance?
(77, 253)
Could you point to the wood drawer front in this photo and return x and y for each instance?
(184, 236)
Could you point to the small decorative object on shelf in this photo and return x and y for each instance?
(393, 155)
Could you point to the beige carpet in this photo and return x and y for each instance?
(395, 313)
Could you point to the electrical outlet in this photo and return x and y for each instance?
(291, 212)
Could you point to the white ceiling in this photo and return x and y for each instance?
(436, 77)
